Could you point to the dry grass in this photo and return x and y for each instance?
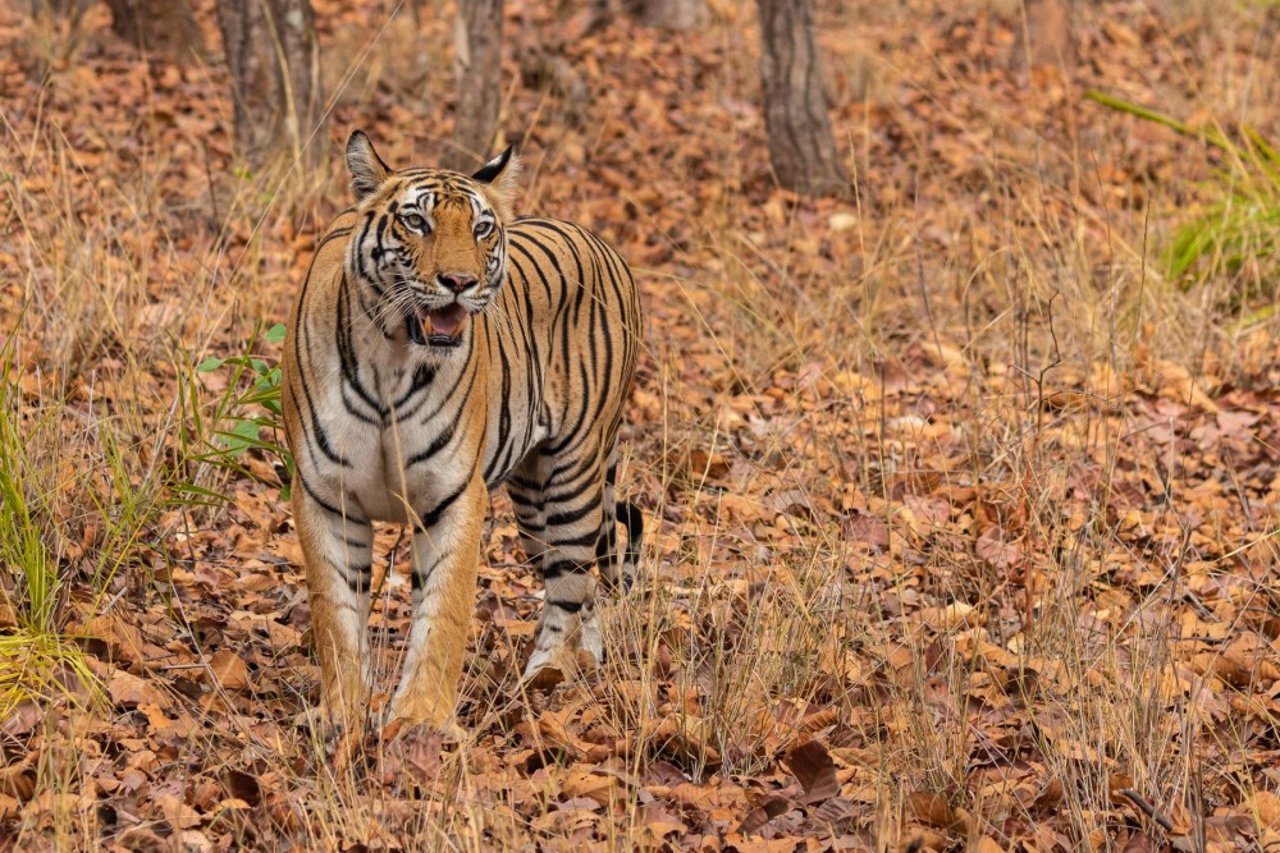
(836, 405)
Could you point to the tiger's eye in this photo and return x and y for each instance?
(415, 221)
(484, 229)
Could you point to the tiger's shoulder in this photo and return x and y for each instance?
(331, 247)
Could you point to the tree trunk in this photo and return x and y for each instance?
(161, 27)
(478, 42)
(66, 17)
(63, 8)
(677, 15)
(800, 143)
(273, 55)
(1048, 37)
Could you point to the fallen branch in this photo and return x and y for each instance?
(1144, 804)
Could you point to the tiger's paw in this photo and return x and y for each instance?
(403, 727)
(549, 667)
(411, 755)
(552, 660)
(617, 581)
(420, 702)
(566, 643)
(342, 746)
(339, 742)
(544, 676)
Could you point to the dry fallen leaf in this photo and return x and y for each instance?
(179, 815)
(935, 810)
(230, 669)
(604, 789)
(1267, 805)
(127, 690)
(683, 738)
(812, 765)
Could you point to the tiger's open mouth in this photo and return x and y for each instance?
(441, 327)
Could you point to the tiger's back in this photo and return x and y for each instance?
(566, 334)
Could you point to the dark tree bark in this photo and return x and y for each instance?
(801, 147)
(273, 55)
(415, 8)
(676, 15)
(76, 8)
(69, 14)
(478, 42)
(1048, 38)
(162, 27)
(600, 13)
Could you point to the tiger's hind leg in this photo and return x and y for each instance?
(618, 570)
(570, 503)
(525, 489)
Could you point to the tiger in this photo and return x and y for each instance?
(438, 347)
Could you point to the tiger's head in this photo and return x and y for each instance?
(431, 246)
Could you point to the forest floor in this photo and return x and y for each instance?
(963, 506)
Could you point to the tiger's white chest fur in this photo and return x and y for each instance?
(392, 420)
(389, 419)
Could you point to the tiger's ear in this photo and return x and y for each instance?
(502, 174)
(366, 167)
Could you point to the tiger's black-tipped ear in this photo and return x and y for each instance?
(366, 167)
(493, 169)
(502, 174)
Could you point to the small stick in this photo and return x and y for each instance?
(1142, 803)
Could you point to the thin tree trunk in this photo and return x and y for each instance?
(801, 147)
(162, 27)
(602, 14)
(478, 42)
(1048, 38)
(68, 15)
(676, 15)
(273, 54)
(73, 8)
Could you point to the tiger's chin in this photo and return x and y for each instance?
(439, 328)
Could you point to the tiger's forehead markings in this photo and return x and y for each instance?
(449, 195)
(425, 190)
(425, 199)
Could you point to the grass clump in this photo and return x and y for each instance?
(34, 653)
(1234, 235)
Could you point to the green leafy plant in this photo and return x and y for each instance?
(1237, 233)
(250, 409)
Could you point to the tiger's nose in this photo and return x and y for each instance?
(456, 281)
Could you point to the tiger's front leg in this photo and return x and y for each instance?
(446, 558)
(338, 550)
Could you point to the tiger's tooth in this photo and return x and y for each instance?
(427, 328)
